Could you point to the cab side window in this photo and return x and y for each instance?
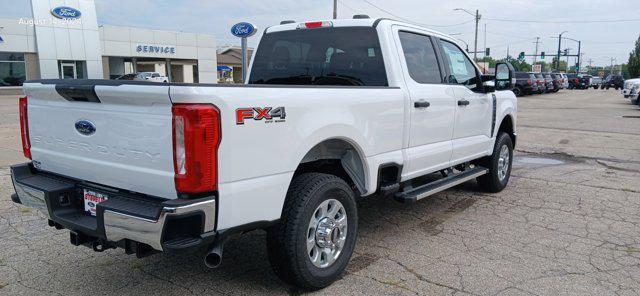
(420, 55)
(461, 68)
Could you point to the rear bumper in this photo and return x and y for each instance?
(126, 219)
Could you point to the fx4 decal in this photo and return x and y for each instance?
(256, 113)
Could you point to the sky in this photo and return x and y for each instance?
(525, 20)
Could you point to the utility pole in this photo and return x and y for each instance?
(559, 46)
(567, 54)
(578, 64)
(611, 69)
(535, 55)
(477, 18)
(485, 39)
(475, 47)
(335, 9)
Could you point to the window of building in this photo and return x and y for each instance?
(12, 69)
(72, 69)
(421, 58)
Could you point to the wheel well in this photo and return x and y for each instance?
(337, 157)
(507, 127)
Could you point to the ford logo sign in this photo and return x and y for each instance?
(243, 30)
(85, 127)
(66, 13)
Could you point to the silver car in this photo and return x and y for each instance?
(626, 90)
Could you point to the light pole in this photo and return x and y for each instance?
(335, 9)
(475, 43)
(559, 46)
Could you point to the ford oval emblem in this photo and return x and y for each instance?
(85, 127)
(243, 30)
(66, 13)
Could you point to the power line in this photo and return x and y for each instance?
(347, 6)
(410, 21)
(562, 22)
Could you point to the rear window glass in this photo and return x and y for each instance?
(327, 56)
(522, 75)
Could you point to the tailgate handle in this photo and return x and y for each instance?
(78, 93)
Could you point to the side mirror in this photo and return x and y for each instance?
(505, 76)
(488, 83)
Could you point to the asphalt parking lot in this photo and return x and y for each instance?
(568, 224)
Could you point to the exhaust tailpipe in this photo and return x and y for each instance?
(213, 257)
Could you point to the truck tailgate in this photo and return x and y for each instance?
(109, 133)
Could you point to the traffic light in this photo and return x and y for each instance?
(487, 51)
(542, 55)
(521, 56)
(566, 51)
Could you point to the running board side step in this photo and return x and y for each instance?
(413, 194)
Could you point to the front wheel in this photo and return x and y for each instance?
(499, 165)
(311, 245)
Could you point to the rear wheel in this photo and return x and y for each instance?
(311, 245)
(499, 165)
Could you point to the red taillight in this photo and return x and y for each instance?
(314, 25)
(24, 128)
(529, 82)
(196, 137)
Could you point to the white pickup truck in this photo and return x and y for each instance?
(332, 111)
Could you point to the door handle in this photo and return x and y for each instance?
(463, 103)
(421, 104)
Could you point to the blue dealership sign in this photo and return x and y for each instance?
(243, 30)
(67, 13)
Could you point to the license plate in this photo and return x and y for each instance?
(92, 199)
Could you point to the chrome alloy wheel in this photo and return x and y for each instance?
(327, 233)
(503, 162)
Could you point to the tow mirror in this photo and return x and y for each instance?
(505, 76)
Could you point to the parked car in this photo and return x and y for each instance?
(628, 84)
(585, 81)
(525, 84)
(541, 82)
(634, 91)
(578, 81)
(615, 81)
(549, 82)
(565, 81)
(145, 76)
(160, 167)
(596, 82)
(557, 81)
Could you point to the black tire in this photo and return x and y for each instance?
(286, 241)
(595, 87)
(517, 91)
(491, 182)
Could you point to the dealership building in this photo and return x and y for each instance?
(63, 40)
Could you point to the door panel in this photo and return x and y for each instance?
(473, 110)
(432, 106)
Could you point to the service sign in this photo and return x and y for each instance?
(155, 49)
(66, 13)
(243, 30)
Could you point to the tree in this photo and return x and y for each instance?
(633, 66)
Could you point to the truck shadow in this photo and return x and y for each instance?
(246, 267)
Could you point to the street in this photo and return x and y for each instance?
(567, 224)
